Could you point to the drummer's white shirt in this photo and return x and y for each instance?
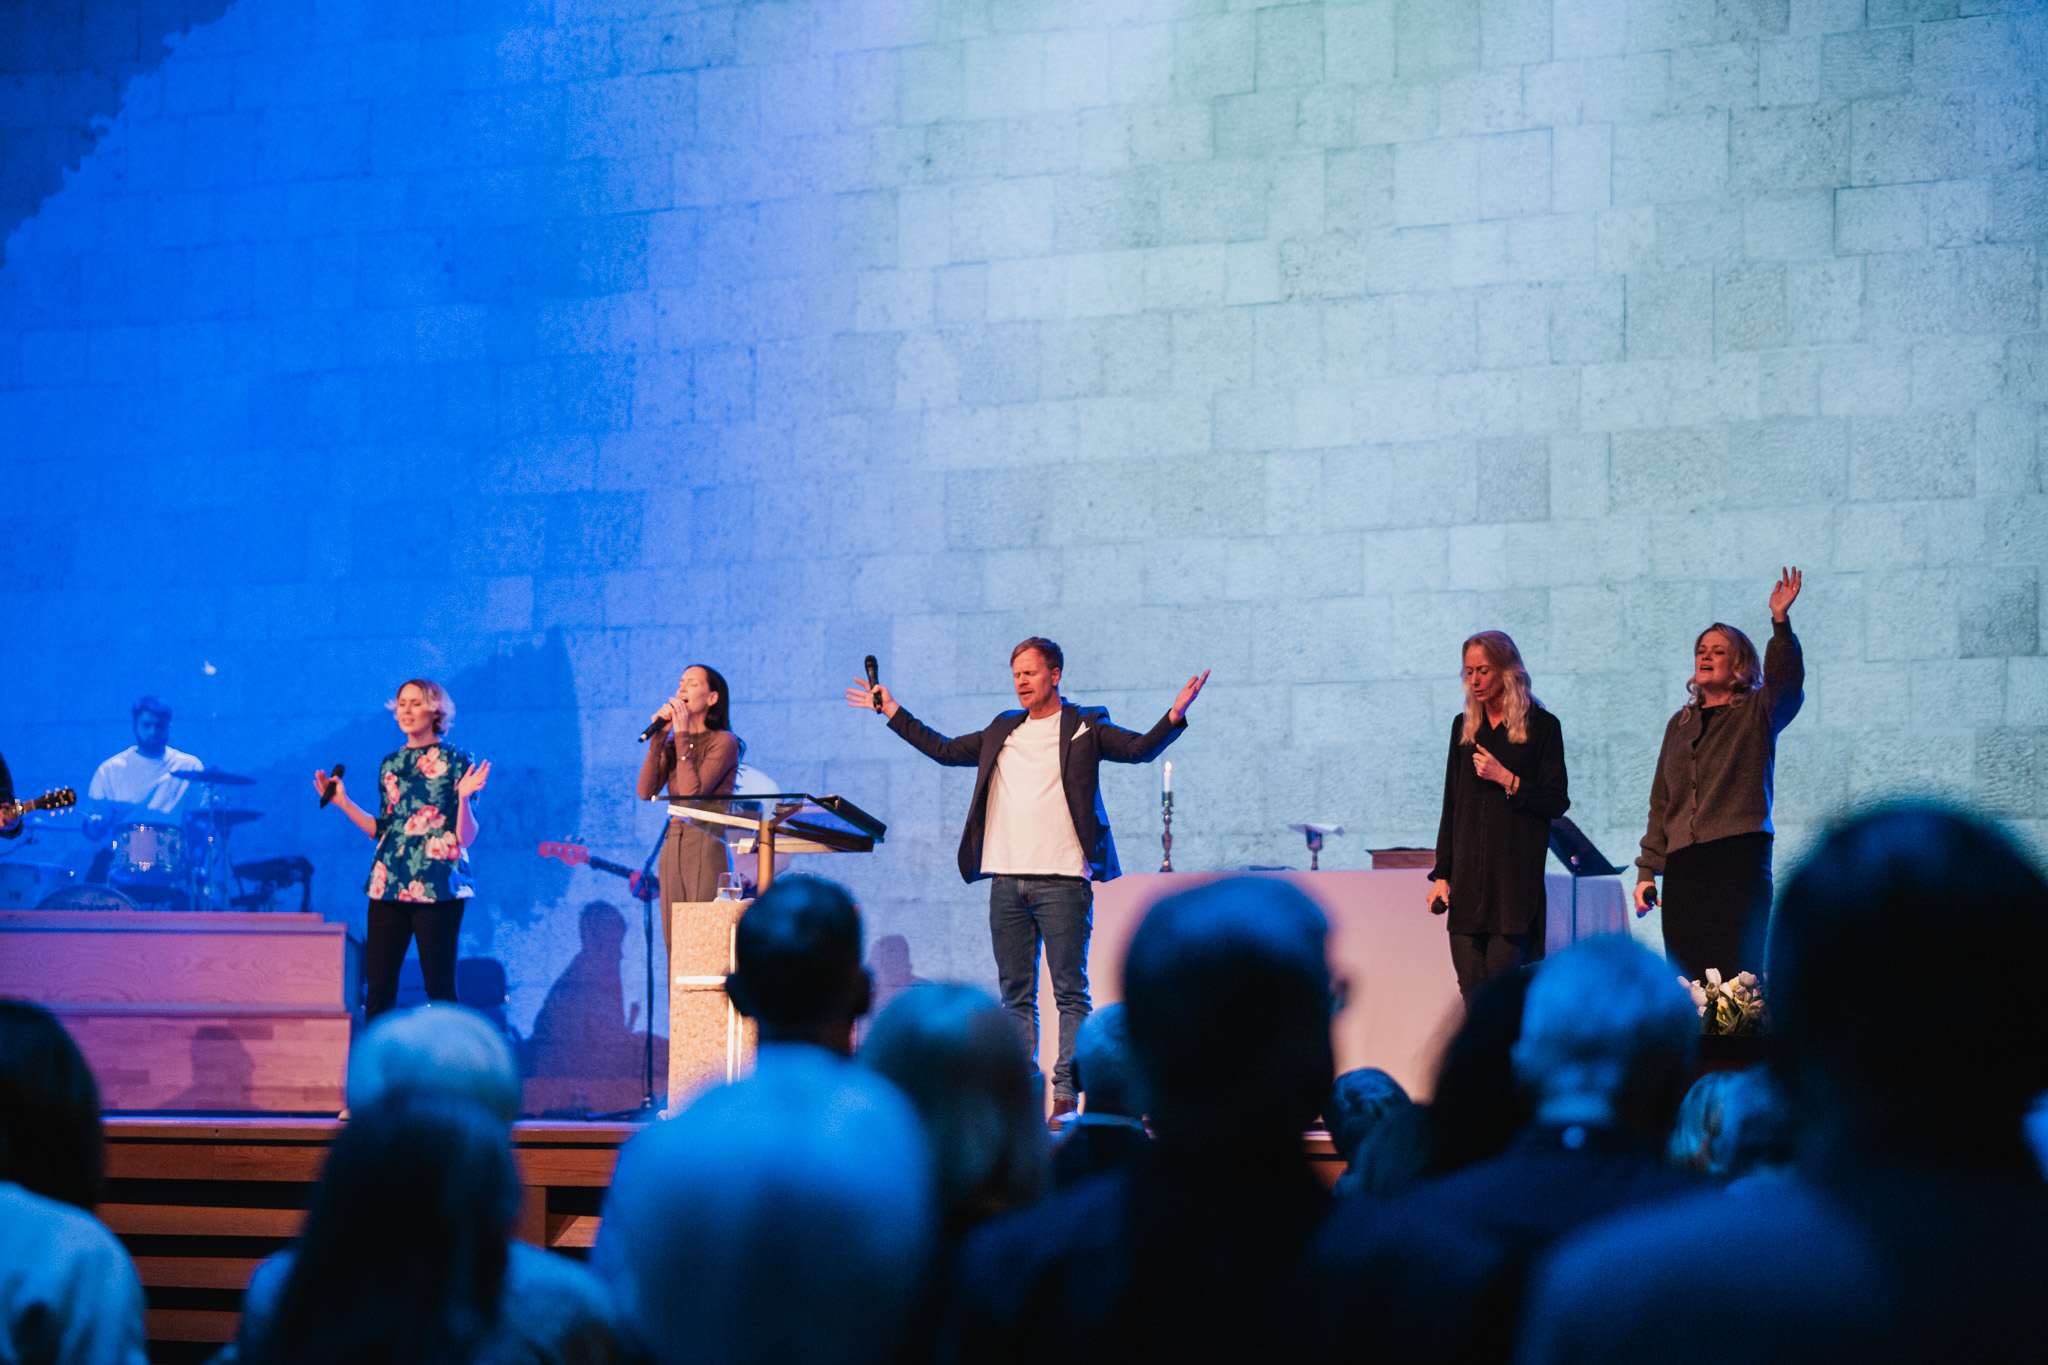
(133, 780)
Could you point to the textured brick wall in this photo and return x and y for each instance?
(548, 347)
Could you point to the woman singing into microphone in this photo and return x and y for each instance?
(697, 755)
(420, 876)
(1503, 784)
(1710, 801)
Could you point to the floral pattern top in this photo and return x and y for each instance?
(419, 857)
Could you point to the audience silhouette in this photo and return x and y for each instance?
(68, 1291)
(1109, 1132)
(787, 1218)
(1607, 1042)
(408, 1254)
(1910, 1043)
(961, 1061)
(1192, 1253)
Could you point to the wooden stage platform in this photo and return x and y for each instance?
(199, 1201)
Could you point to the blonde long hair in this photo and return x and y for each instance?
(1500, 651)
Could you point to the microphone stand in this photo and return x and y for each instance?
(647, 891)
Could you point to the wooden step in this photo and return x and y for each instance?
(197, 1272)
(190, 1324)
(186, 1220)
(234, 957)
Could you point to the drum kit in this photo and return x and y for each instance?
(158, 863)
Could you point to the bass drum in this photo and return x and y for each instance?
(24, 886)
(88, 897)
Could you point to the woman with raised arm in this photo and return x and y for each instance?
(1504, 782)
(696, 755)
(420, 875)
(1710, 799)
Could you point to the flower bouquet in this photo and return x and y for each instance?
(1734, 1006)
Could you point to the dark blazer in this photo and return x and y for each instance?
(1086, 740)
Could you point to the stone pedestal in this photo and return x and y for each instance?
(709, 1042)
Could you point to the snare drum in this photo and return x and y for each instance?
(23, 885)
(149, 854)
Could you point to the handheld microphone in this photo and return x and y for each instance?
(874, 683)
(652, 726)
(1649, 901)
(1439, 906)
(333, 784)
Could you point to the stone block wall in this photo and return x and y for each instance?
(547, 347)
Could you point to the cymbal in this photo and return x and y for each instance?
(222, 815)
(214, 777)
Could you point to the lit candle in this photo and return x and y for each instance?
(1166, 777)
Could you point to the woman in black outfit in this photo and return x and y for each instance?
(1504, 782)
(1710, 801)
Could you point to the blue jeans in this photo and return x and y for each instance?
(1058, 911)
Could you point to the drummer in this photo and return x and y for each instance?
(142, 775)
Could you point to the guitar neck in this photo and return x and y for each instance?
(616, 869)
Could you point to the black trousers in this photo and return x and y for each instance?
(393, 925)
(1481, 957)
(1717, 904)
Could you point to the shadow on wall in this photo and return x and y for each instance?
(588, 1046)
(64, 73)
(889, 967)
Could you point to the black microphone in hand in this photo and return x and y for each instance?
(333, 784)
(874, 683)
(657, 724)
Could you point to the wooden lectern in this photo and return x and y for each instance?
(708, 1040)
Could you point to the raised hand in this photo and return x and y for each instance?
(1187, 696)
(1785, 593)
(472, 782)
(1490, 768)
(859, 695)
(320, 781)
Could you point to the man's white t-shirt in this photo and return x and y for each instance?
(1028, 831)
(135, 780)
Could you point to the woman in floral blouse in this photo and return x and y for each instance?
(423, 829)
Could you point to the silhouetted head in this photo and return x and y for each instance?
(403, 1256)
(1104, 1069)
(50, 1138)
(1358, 1102)
(1691, 1147)
(959, 1057)
(437, 1049)
(1478, 1106)
(783, 1220)
(798, 968)
(1608, 1036)
(1756, 1126)
(1904, 988)
(1227, 1002)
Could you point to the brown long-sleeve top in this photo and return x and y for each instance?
(690, 765)
(1714, 781)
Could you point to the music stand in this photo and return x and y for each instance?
(1580, 858)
